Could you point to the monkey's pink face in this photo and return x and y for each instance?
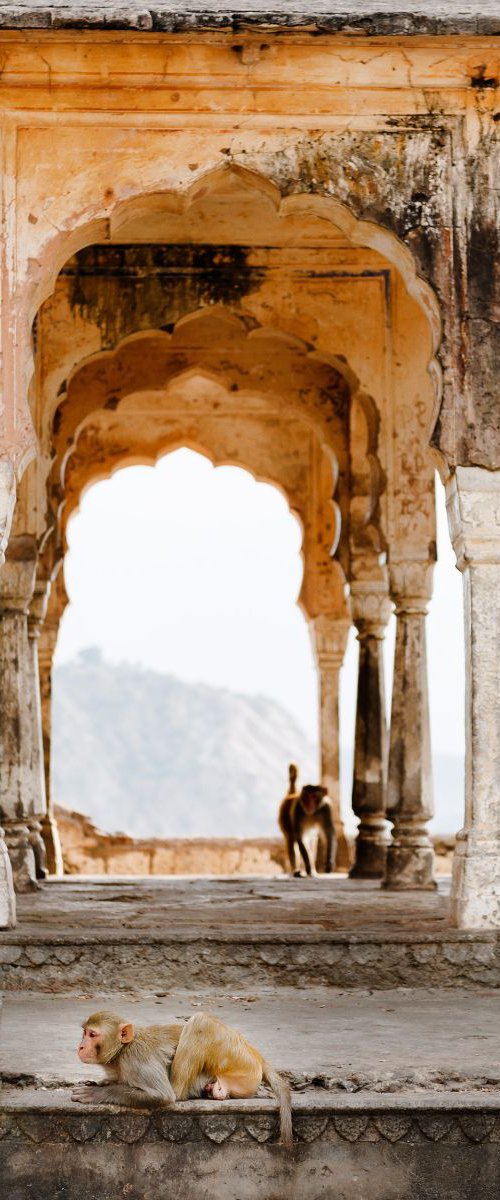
(90, 1045)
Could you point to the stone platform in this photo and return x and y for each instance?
(396, 1096)
(395, 1083)
(191, 932)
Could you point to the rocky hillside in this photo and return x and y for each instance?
(150, 755)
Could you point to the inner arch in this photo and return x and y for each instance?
(209, 596)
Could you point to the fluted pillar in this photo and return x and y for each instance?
(22, 793)
(473, 501)
(371, 610)
(410, 857)
(46, 647)
(330, 639)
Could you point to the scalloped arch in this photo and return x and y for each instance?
(103, 223)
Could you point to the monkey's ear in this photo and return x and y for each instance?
(127, 1033)
(324, 791)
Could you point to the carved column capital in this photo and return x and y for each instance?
(473, 505)
(17, 576)
(371, 608)
(411, 584)
(329, 641)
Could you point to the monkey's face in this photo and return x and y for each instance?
(312, 796)
(89, 1049)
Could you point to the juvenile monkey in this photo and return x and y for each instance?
(301, 813)
(165, 1063)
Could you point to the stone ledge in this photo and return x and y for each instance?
(380, 18)
(67, 963)
(50, 1117)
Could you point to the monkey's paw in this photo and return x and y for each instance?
(88, 1093)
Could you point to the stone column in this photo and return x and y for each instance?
(410, 856)
(473, 501)
(22, 795)
(46, 647)
(371, 609)
(37, 776)
(329, 640)
(7, 503)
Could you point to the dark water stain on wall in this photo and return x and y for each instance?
(125, 289)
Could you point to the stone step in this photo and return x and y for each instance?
(165, 933)
(381, 1111)
(65, 961)
(413, 1147)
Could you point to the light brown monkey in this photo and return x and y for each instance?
(301, 813)
(165, 1063)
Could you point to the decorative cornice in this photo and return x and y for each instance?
(435, 1123)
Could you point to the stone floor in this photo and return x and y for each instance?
(402, 1040)
(275, 904)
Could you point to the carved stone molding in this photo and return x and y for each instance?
(132, 1128)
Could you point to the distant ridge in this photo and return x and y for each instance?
(154, 756)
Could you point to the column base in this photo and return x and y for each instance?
(52, 842)
(38, 847)
(7, 897)
(370, 860)
(22, 858)
(475, 892)
(410, 868)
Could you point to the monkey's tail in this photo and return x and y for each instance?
(292, 776)
(282, 1092)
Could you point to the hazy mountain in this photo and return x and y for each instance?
(151, 755)
(148, 754)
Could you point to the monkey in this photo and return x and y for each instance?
(165, 1063)
(301, 812)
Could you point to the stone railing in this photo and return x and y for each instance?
(88, 851)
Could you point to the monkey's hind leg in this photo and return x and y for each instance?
(305, 856)
(188, 1065)
(292, 854)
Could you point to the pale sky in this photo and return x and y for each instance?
(194, 571)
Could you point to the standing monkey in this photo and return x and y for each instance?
(165, 1063)
(303, 812)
